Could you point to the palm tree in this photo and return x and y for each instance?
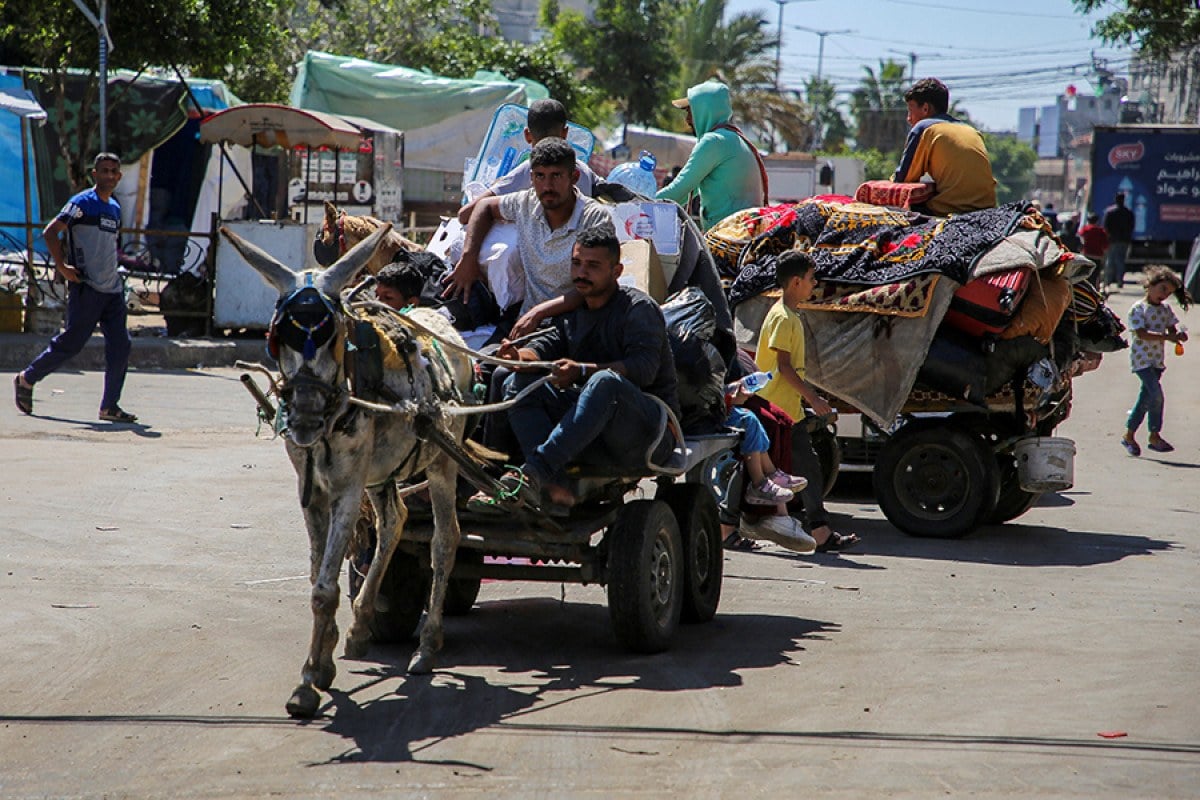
(878, 107)
(739, 53)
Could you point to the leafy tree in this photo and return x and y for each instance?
(877, 105)
(1012, 166)
(834, 130)
(737, 52)
(1160, 27)
(202, 36)
(623, 53)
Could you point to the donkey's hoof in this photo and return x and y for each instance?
(356, 648)
(304, 702)
(421, 664)
(324, 677)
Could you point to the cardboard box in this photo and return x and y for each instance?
(643, 269)
(657, 221)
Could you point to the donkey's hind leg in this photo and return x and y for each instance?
(443, 478)
(390, 515)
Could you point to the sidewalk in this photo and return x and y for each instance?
(149, 351)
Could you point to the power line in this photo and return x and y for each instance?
(1023, 14)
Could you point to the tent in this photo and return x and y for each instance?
(443, 119)
(18, 110)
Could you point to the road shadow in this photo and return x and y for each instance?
(557, 653)
(136, 428)
(1011, 544)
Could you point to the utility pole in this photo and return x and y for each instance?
(817, 137)
(100, 23)
(779, 37)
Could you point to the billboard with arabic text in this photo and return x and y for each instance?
(1158, 170)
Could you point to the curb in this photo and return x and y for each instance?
(18, 349)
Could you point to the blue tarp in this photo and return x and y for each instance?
(12, 177)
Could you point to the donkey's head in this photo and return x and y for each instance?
(308, 332)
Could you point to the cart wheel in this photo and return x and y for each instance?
(703, 557)
(1013, 500)
(461, 593)
(935, 481)
(403, 593)
(718, 473)
(645, 575)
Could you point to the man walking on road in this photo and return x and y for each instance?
(1118, 224)
(95, 295)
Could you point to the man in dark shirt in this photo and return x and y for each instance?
(608, 355)
(1118, 224)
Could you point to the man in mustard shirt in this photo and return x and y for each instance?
(948, 149)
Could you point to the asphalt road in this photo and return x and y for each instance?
(154, 612)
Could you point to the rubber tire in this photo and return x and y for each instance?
(403, 593)
(935, 481)
(703, 555)
(1013, 500)
(645, 576)
(461, 593)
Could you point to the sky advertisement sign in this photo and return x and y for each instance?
(1158, 169)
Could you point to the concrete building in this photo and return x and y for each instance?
(1164, 91)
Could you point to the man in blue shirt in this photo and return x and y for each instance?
(91, 221)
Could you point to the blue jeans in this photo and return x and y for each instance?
(87, 308)
(609, 421)
(1150, 400)
(1114, 262)
(754, 435)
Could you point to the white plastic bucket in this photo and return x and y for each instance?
(1045, 463)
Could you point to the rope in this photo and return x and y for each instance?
(411, 409)
(412, 323)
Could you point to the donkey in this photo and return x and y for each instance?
(340, 232)
(339, 448)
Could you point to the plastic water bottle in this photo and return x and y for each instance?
(755, 381)
(637, 176)
(1179, 345)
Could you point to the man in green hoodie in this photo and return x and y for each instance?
(724, 167)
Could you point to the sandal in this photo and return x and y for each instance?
(735, 541)
(1161, 446)
(24, 395)
(838, 542)
(1131, 447)
(116, 414)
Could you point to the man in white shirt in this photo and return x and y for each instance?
(547, 217)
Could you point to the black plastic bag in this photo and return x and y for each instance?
(699, 367)
(689, 312)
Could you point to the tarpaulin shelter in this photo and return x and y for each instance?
(443, 119)
(17, 104)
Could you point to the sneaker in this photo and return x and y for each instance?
(767, 494)
(794, 483)
(116, 414)
(783, 530)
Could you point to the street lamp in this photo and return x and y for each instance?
(817, 137)
(779, 35)
(106, 45)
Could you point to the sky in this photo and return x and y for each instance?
(996, 57)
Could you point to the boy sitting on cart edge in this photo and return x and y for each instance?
(610, 354)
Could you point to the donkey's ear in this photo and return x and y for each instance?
(345, 268)
(275, 273)
(331, 215)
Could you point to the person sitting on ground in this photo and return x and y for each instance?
(948, 150)
(724, 168)
(781, 352)
(399, 286)
(546, 118)
(610, 355)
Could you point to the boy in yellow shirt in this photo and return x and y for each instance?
(781, 352)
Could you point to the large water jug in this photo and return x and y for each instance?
(637, 176)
